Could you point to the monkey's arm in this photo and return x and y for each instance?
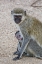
(25, 43)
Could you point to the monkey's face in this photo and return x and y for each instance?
(18, 15)
(17, 18)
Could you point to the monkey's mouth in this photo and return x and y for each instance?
(20, 38)
(17, 21)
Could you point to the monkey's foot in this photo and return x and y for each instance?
(24, 54)
(38, 57)
(27, 55)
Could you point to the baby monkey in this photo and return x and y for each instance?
(20, 39)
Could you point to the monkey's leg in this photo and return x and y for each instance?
(35, 49)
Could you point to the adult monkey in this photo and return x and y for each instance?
(31, 29)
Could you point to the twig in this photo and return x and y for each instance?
(35, 5)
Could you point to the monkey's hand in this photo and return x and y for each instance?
(23, 47)
(17, 52)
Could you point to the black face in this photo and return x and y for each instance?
(17, 18)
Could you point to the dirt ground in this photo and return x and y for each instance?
(8, 42)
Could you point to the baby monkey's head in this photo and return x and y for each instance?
(19, 36)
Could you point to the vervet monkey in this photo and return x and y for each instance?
(31, 29)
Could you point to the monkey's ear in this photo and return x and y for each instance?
(25, 13)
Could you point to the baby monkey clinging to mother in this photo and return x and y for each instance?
(31, 29)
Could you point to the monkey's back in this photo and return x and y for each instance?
(36, 31)
(33, 27)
